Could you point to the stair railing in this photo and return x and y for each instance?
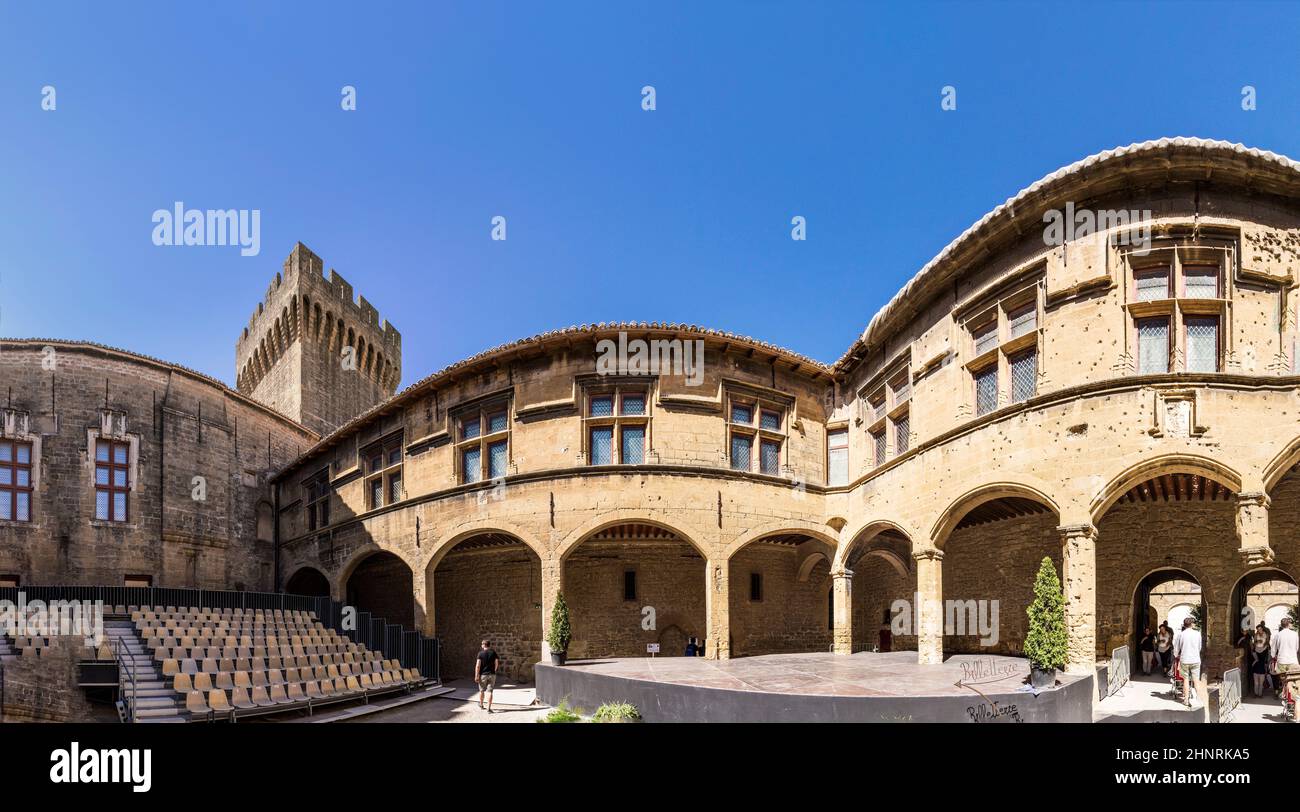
(125, 675)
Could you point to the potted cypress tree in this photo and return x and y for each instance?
(1045, 643)
(559, 634)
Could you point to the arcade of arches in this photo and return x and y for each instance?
(1164, 542)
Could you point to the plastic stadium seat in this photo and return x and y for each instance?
(194, 703)
(203, 682)
(239, 699)
(313, 690)
(217, 701)
(278, 696)
(182, 684)
(260, 698)
(295, 692)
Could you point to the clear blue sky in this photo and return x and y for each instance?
(533, 111)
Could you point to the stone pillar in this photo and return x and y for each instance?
(842, 591)
(552, 583)
(1252, 528)
(929, 606)
(423, 594)
(1079, 576)
(717, 608)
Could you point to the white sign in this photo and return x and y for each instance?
(651, 648)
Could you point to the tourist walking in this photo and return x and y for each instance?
(485, 673)
(1260, 653)
(1187, 651)
(1147, 645)
(1164, 647)
(1285, 646)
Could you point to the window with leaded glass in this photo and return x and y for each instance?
(1201, 281)
(986, 389)
(1153, 345)
(617, 425)
(1151, 283)
(483, 442)
(383, 467)
(1024, 375)
(112, 484)
(15, 481)
(1023, 320)
(837, 457)
(316, 500)
(985, 334)
(878, 447)
(902, 433)
(1202, 343)
(755, 425)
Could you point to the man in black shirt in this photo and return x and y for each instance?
(485, 673)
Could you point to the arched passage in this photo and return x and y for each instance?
(308, 581)
(997, 540)
(1167, 595)
(780, 595)
(1264, 595)
(880, 558)
(382, 584)
(631, 584)
(488, 586)
(1173, 515)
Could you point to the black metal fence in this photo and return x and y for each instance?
(411, 648)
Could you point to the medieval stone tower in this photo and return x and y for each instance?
(313, 353)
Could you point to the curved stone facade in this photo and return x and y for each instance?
(1101, 372)
(191, 503)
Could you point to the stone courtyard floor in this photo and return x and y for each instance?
(1151, 693)
(511, 703)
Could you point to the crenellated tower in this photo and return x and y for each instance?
(312, 352)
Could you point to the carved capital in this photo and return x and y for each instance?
(931, 554)
(1256, 556)
(1250, 499)
(1079, 531)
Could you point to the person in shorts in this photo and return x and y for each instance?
(485, 673)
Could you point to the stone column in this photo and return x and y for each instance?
(717, 608)
(552, 583)
(1079, 574)
(929, 606)
(423, 594)
(842, 592)
(1252, 528)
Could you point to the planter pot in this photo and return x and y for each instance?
(557, 657)
(1042, 677)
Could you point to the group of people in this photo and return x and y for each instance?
(1268, 655)
(1178, 652)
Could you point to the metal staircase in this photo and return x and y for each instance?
(144, 695)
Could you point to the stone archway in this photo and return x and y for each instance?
(627, 582)
(780, 586)
(382, 584)
(487, 586)
(308, 581)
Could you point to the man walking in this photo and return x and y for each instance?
(1187, 652)
(485, 673)
(1285, 645)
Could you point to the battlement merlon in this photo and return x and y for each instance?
(304, 273)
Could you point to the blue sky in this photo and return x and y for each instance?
(533, 111)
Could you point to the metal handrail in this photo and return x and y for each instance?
(129, 673)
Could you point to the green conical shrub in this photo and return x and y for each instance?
(560, 633)
(1045, 643)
